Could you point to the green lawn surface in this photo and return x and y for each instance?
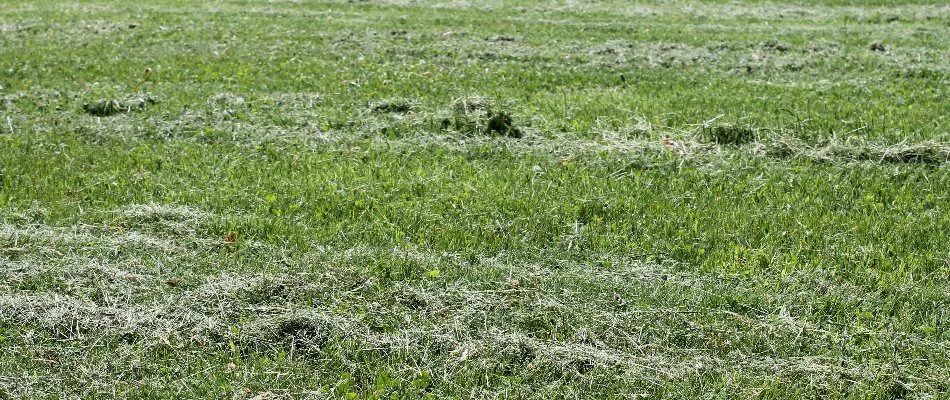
(474, 199)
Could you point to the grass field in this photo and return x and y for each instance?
(474, 199)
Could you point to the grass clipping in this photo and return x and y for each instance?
(481, 116)
(110, 107)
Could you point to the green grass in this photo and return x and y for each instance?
(376, 199)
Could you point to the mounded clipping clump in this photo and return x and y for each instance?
(480, 116)
(731, 135)
(110, 107)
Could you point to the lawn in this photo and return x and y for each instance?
(474, 199)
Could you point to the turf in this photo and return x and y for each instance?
(492, 199)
